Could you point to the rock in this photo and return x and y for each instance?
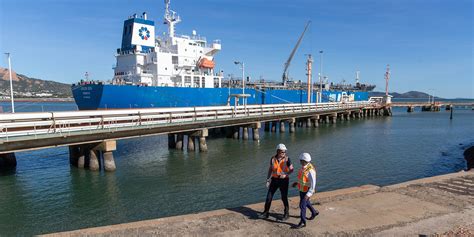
(469, 157)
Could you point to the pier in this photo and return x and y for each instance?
(92, 135)
(432, 106)
(425, 207)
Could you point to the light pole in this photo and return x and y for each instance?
(11, 81)
(242, 64)
(320, 75)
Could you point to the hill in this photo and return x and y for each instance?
(410, 94)
(26, 87)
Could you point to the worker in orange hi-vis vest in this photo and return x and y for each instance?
(307, 186)
(278, 178)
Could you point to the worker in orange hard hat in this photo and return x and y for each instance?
(307, 186)
(278, 178)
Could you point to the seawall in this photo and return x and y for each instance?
(437, 205)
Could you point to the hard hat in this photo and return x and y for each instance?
(305, 156)
(281, 147)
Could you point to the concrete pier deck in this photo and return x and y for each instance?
(437, 205)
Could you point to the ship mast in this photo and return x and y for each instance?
(171, 18)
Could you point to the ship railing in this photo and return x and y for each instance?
(20, 126)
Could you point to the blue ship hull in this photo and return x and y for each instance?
(99, 96)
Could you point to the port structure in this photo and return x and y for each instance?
(91, 135)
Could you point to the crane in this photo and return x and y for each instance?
(287, 63)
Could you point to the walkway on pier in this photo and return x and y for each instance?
(437, 205)
(91, 135)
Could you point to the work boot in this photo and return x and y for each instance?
(299, 226)
(286, 214)
(264, 215)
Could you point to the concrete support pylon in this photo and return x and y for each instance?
(235, 133)
(334, 118)
(256, 131)
(7, 161)
(291, 125)
(94, 164)
(273, 126)
(171, 141)
(267, 126)
(109, 161)
(282, 126)
(179, 141)
(202, 144)
(245, 131)
(190, 143)
(316, 121)
(308, 123)
(74, 152)
(81, 160)
(327, 118)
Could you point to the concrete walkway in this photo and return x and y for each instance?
(438, 205)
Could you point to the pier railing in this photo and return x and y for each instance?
(37, 125)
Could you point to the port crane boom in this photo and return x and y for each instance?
(287, 63)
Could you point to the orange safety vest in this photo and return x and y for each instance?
(279, 168)
(303, 178)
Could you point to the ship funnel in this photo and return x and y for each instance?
(144, 16)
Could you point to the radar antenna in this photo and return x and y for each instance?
(171, 18)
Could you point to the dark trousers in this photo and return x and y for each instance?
(281, 184)
(306, 204)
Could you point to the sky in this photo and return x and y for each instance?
(428, 43)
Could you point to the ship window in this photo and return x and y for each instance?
(166, 68)
(187, 80)
(174, 60)
(203, 82)
(200, 51)
(196, 82)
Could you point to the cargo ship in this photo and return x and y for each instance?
(171, 70)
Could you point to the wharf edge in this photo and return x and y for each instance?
(435, 205)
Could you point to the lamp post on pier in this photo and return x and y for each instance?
(11, 81)
(242, 66)
(320, 76)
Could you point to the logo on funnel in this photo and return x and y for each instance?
(144, 33)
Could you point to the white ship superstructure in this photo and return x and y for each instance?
(169, 60)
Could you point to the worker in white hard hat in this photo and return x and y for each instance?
(278, 178)
(306, 185)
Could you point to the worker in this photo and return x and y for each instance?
(278, 178)
(306, 185)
